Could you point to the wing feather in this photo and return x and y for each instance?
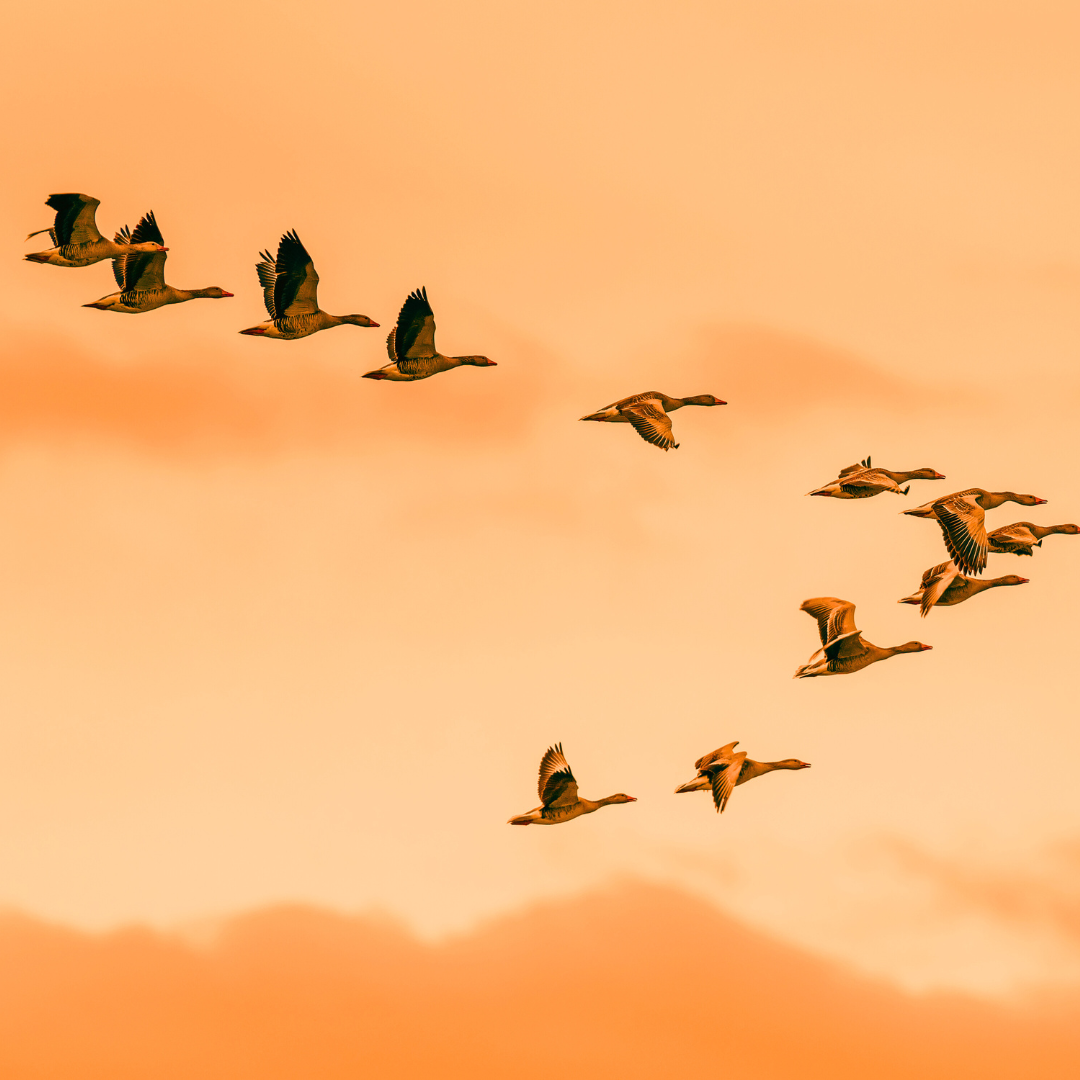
(296, 284)
(651, 423)
(725, 779)
(75, 218)
(962, 525)
(723, 754)
(414, 334)
(557, 786)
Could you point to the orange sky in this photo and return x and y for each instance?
(275, 634)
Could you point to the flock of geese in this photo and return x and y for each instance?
(290, 294)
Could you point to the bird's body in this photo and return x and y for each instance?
(648, 413)
(141, 276)
(843, 650)
(411, 346)
(290, 292)
(1022, 537)
(861, 481)
(944, 585)
(723, 770)
(559, 799)
(75, 235)
(961, 517)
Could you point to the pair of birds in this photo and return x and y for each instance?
(719, 772)
(138, 256)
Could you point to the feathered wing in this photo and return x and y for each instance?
(835, 617)
(414, 334)
(1011, 536)
(868, 481)
(857, 467)
(75, 218)
(557, 785)
(144, 270)
(962, 525)
(266, 268)
(725, 779)
(651, 423)
(296, 284)
(723, 754)
(936, 585)
(122, 237)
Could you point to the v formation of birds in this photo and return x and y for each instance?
(290, 283)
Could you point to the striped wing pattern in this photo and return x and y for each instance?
(651, 423)
(557, 786)
(725, 779)
(962, 525)
(936, 585)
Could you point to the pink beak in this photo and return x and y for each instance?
(224, 294)
(1039, 502)
(255, 331)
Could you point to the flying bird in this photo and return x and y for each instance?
(861, 481)
(559, 800)
(1020, 537)
(722, 771)
(648, 413)
(843, 650)
(75, 236)
(411, 345)
(961, 517)
(290, 292)
(141, 275)
(944, 585)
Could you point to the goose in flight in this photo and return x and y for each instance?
(961, 517)
(75, 236)
(411, 345)
(648, 413)
(1020, 537)
(861, 481)
(722, 771)
(843, 650)
(290, 292)
(559, 800)
(944, 585)
(141, 275)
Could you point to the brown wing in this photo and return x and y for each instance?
(296, 285)
(934, 588)
(266, 268)
(723, 754)
(847, 647)
(835, 618)
(651, 423)
(557, 785)
(414, 335)
(857, 467)
(1017, 533)
(143, 270)
(872, 479)
(725, 779)
(122, 237)
(963, 528)
(75, 218)
(935, 570)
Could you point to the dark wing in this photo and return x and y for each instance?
(122, 237)
(723, 754)
(296, 287)
(725, 779)
(75, 222)
(143, 270)
(961, 521)
(267, 271)
(414, 335)
(845, 648)
(871, 479)
(651, 423)
(835, 618)
(557, 785)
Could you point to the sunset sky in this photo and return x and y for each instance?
(278, 636)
